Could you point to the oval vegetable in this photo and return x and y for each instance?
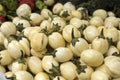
(35, 64)
(56, 38)
(92, 57)
(23, 75)
(23, 10)
(41, 76)
(48, 62)
(5, 58)
(8, 28)
(63, 54)
(68, 70)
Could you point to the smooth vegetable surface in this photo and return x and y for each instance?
(49, 40)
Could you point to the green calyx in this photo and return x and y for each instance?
(55, 71)
(55, 28)
(74, 39)
(101, 34)
(81, 29)
(65, 14)
(80, 68)
(20, 27)
(21, 59)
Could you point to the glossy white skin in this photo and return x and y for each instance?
(36, 18)
(26, 45)
(58, 20)
(111, 50)
(2, 37)
(47, 62)
(49, 2)
(56, 40)
(15, 20)
(90, 33)
(92, 57)
(16, 66)
(114, 35)
(80, 46)
(113, 63)
(113, 20)
(39, 54)
(23, 75)
(104, 69)
(68, 70)
(2, 69)
(46, 13)
(100, 13)
(87, 74)
(108, 25)
(23, 10)
(99, 75)
(45, 24)
(15, 48)
(8, 28)
(63, 54)
(35, 64)
(76, 14)
(26, 31)
(60, 78)
(69, 6)
(24, 22)
(33, 32)
(57, 8)
(76, 22)
(67, 32)
(110, 14)
(41, 76)
(29, 30)
(39, 41)
(96, 21)
(100, 45)
(6, 59)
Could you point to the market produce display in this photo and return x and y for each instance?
(49, 40)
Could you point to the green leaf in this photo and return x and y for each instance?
(40, 5)
(2, 13)
(10, 4)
